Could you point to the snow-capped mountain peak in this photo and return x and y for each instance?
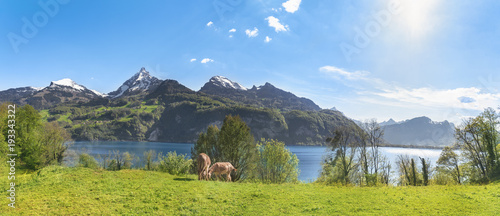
(226, 83)
(68, 83)
(141, 81)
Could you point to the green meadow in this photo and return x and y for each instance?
(57, 190)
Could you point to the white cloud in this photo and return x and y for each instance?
(206, 60)
(268, 39)
(210, 23)
(341, 73)
(459, 98)
(192, 60)
(291, 5)
(232, 30)
(275, 23)
(252, 33)
(393, 100)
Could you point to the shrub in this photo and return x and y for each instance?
(85, 160)
(276, 163)
(120, 161)
(174, 164)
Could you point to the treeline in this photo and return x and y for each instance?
(354, 157)
(114, 161)
(265, 161)
(36, 143)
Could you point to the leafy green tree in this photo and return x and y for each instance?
(55, 142)
(477, 138)
(448, 166)
(38, 144)
(341, 164)
(237, 146)
(28, 133)
(276, 163)
(3, 133)
(233, 143)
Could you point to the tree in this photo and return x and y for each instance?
(148, 159)
(407, 170)
(28, 134)
(55, 141)
(344, 145)
(425, 171)
(477, 137)
(370, 159)
(3, 130)
(234, 143)
(120, 161)
(448, 165)
(276, 163)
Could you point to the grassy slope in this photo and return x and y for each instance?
(58, 190)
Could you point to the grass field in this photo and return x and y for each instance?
(73, 191)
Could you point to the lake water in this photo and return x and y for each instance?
(310, 157)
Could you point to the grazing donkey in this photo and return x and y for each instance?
(221, 168)
(203, 165)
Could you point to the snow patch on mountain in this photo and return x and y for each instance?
(98, 93)
(36, 88)
(67, 82)
(226, 83)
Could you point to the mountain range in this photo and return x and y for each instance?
(420, 131)
(147, 108)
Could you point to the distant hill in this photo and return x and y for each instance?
(421, 131)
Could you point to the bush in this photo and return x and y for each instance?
(149, 164)
(174, 164)
(120, 161)
(85, 160)
(276, 163)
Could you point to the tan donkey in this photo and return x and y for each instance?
(221, 168)
(203, 165)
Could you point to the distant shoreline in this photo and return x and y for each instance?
(383, 145)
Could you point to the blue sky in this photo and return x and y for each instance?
(369, 58)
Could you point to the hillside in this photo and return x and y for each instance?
(70, 191)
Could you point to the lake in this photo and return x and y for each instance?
(310, 157)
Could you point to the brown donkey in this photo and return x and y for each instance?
(221, 168)
(203, 165)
